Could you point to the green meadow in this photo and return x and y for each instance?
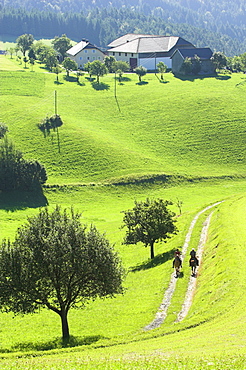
(181, 140)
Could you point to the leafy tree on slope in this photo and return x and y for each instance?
(149, 221)
(24, 42)
(54, 262)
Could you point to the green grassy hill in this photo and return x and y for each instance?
(194, 127)
(186, 139)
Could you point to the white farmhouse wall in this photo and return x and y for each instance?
(87, 55)
(125, 57)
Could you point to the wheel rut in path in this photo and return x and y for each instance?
(192, 282)
(162, 312)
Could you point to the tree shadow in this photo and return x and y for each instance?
(100, 86)
(56, 344)
(80, 83)
(91, 79)
(58, 83)
(16, 200)
(123, 79)
(192, 78)
(142, 83)
(164, 82)
(70, 78)
(156, 261)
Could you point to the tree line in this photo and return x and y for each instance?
(103, 25)
(223, 16)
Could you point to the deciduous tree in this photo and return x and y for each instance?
(219, 60)
(161, 69)
(149, 221)
(69, 65)
(140, 71)
(24, 42)
(17, 173)
(3, 130)
(186, 67)
(98, 69)
(109, 61)
(62, 44)
(55, 262)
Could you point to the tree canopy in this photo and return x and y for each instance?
(3, 130)
(140, 71)
(149, 221)
(161, 66)
(219, 60)
(17, 173)
(69, 65)
(62, 44)
(55, 262)
(24, 42)
(98, 69)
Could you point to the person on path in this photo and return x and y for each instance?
(193, 256)
(177, 253)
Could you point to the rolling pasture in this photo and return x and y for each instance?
(181, 140)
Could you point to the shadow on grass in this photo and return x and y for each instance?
(123, 79)
(56, 344)
(156, 261)
(70, 78)
(16, 200)
(91, 79)
(58, 83)
(181, 275)
(100, 86)
(80, 83)
(142, 83)
(202, 77)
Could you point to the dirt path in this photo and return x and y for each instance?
(162, 312)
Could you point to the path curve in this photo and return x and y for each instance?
(162, 312)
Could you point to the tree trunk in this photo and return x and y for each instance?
(65, 328)
(152, 254)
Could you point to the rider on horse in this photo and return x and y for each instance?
(193, 257)
(177, 255)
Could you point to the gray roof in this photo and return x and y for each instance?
(74, 50)
(202, 53)
(126, 38)
(147, 44)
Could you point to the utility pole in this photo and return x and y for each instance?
(57, 132)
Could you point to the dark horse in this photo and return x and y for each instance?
(193, 264)
(177, 264)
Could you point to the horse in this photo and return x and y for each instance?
(193, 264)
(177, 263)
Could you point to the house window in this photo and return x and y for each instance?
(81, 58)
(132, 54)
(119, 54)
(88, 58)
(113, 53)
(99, 58)
(86, 51)
(125, 54)
(93, 51)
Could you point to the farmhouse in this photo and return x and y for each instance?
(85, 52)
(146, 50)
(204, 54)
